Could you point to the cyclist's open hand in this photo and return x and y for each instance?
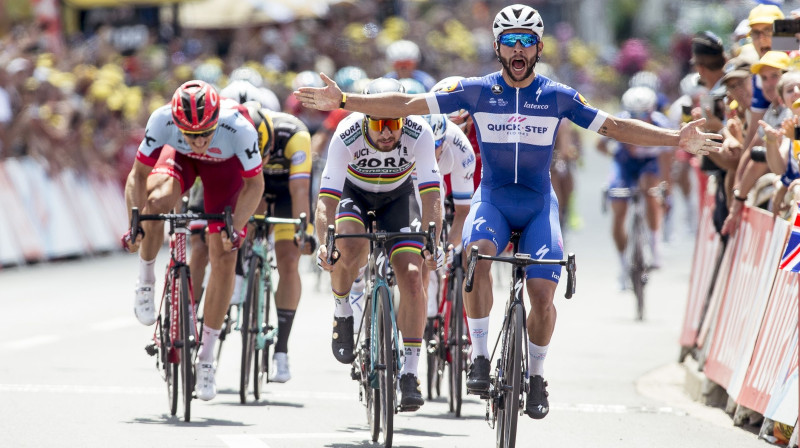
(693, 141)
(321, 98)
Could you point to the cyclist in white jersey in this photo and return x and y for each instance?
(369, 166)
(516, 113)
(194, 137)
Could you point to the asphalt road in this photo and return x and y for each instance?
(74, 372)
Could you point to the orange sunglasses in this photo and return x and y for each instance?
(394, 124)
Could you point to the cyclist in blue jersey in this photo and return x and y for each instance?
(516, 113)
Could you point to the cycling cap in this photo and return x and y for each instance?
(346, 77)
(515, 17)
(438, 123)
(402, 50)
(384, 85)
(637, 100)
(195, 106)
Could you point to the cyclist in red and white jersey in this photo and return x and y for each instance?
(193, 136)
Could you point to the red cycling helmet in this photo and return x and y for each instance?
(195, 106)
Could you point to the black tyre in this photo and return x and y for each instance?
(261, 358)
(510, 381)
(188, 330)
(457, 339)
(431, 344)
(387, 368)
(249, 327)
(170, 370)
(364, 360)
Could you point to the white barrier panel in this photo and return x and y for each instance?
(784, 400)
(755, 259)
(10, 252)
(706, 251)
(23, 210)
(775, 340)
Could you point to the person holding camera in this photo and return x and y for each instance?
(770, 68)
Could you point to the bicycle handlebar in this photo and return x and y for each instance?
(332, 236)
(521, 260)
(137, 218)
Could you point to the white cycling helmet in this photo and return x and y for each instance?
(247, 74)
(412, 86)
(402, 50)
(242, 91)
(518, 16)
(639, 100)
(644, 79)
(307, 78)
(438, 123)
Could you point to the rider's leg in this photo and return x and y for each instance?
(541, 321)
(353, 253)
(220, 287)
(197, 263)
(478, 303)
(619, 232)
(654, 212)
(411, 311)
(287, 296)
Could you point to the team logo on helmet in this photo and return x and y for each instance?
(497, 89)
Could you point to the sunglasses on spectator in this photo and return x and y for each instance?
(202, 134)
(511, 39)
(394, 124)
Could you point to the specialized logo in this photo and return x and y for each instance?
(518, 287)
(416, 224)
(381, 263)
(538, 92)
(479, 222)
(497, 89)
(345, 202)
(542, 251)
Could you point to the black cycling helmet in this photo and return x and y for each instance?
(384, 85)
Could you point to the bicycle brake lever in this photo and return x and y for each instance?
(229, 221)
(134, 223)
(330, 244)
(571, 281)
(473, 259)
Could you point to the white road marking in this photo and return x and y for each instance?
(29, 342)
(256, 440)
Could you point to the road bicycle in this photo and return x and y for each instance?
(447, 340)
(509, 383)
(638, 268)
(175, 339)
(255, 322)
(377, 346)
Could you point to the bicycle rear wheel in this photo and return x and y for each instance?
(510, 380)
(386, 367)
(363, 362)
(637, 266)
(249, 326)
(187, 336)
(455, 345)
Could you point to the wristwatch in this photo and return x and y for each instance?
(736, 195)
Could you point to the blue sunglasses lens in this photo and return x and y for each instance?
(525, 39)
(438, 143)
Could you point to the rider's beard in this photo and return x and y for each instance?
(506, 62)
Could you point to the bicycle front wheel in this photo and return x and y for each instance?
(249, 326)
(261, 358)
(456, 341)
(187, 336)
(510, 380)
(170, 369)
(386, 366)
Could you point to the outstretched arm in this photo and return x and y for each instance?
(382, 105)
(637, 132)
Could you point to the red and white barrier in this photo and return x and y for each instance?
(48, 216)
(706, 252)
(756, 252)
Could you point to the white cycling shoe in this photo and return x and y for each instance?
(206, 385)
(144, 305)
(281, 373)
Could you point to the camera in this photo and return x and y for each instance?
(784, 34)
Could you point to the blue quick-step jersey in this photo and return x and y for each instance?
(516, 126)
